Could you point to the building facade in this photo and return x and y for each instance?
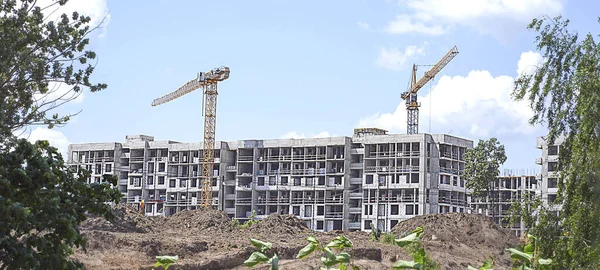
(549, 173)
(334, 183)
(506, 189)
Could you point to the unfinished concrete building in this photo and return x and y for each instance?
(506, 189)
(549, 165)
(335, 183)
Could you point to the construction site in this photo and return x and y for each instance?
(181, 198)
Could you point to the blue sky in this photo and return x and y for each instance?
(312, 68)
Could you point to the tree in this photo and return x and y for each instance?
(482, 165)
(564, 93)
(43, 63)
(43, 202)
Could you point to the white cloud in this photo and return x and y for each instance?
(406, 24)
(487, 16)
(59, 92)
(56, 138)
(477, 105)
(363, 25)
(529, 62)
(296, 135)
(97, 10)
(394, 58)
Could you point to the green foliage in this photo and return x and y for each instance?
(37, 57)
(529, 256)
(43, 202)
(329, 258)
(388, 238)
(524, 209)
(563, 91)
(482, 164)
(375, 232)
(165, 261)
(487, 265)
(247, 224)
(259, 256)
(412, 244)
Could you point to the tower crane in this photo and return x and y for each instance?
(412, 106)
(208, 81)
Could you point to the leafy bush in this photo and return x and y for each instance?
(342, 259)
(530, 256)
(412, 244)
(259, 256)
(165, 261)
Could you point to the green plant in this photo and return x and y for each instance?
(388, 238)
(330, 259)
(530, 257)
(487, 265)
(42, 202)
(165, 261)
(46, 62)
(412, 244)
(482, 164)
(375, 232)
(562, 90)
(249, 222)
(258, 257)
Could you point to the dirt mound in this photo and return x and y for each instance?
(126, 219)
(280, 224)
(460, 238)
(201, 219)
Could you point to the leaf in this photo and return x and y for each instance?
(274, 262)
(260, 245)
(312, 240)
(165, 261)
(488, 264)
(340, 243)
(307, 250)
(329, 258)
(544, 261)
(520, 255)
(256, 258)
(343, 257)
(406, 265)
(529, 248)
(418, 230)
(342, 266)
(409, 239)
(354, 267)
(419, 256)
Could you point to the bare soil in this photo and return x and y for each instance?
(459, 238)
(208, 240)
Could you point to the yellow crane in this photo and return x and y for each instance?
(208, 81)
(412, 106)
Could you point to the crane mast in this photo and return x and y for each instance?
(208, 81)
(410, 96)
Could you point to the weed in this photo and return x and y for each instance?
(342, 259)
(165, 261)
(412, 244)
(259, 256)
